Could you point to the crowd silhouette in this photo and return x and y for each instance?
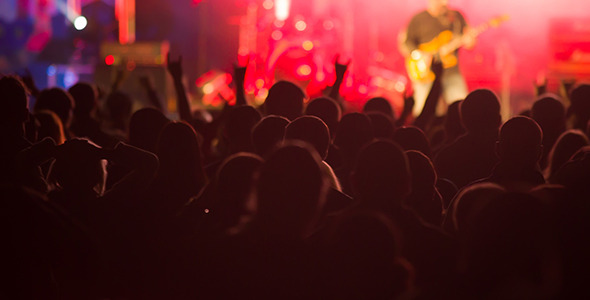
(296, 199)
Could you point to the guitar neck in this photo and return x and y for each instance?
(457, 43)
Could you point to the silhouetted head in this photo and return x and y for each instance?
(354, 131)
(233, 185)
(564, 148)
(291, 190)
(238, 128)
(181, 170)
(424, 198)
(549, 113)
(480, 111)
(437, 7)
(85, 98)
(379, 104)
(412, 138)
(145, 127)
(383, 125)
(268, 133)
(381, 177)
(50, 126)
(58, 101)
(13, 101)
(118, 106)
(520, 141)
(469, 203)
(312, 130)
(453, 126)
(580, 106)
(512, 241)
(326, 109)
(284, 99)
(79, 169)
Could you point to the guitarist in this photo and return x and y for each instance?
(427, 34)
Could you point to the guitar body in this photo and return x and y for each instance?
(442, 47)
(419, 67)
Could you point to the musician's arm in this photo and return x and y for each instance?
(469, 38)
(469, 35)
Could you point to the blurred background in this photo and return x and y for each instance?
(64, 41)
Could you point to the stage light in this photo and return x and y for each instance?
(109, 60)
(208, 88)
(131, 65)
(282, 8)
(279, 23)
(307, 45)
(304, 70)
(262, 93)
(363, 89)
(243, 51)
(328, 25)
(70, 78)
(267, 4)
(277, 35)
(80, 23)
(400, 86)
(300, 25)
(51, 71)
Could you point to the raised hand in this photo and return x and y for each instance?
(184, 108)
(239, 78)
(29, 82)
(540, 85)
(409, 102)
(174, 67)
(120, 76)
(339, 68)
(437, 68)
(407, 109)
(240, 72)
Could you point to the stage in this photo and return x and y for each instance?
(293, 40)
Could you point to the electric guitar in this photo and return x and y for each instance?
(442, 48)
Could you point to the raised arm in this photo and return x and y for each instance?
(239, 78)
(175, 69)
(427, 114)
(146, 83)
(28, 80)
(340, 70)
(407, 111)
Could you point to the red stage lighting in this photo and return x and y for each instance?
(109, 60)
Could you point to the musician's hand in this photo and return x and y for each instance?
(417, 54)
(469, 39)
